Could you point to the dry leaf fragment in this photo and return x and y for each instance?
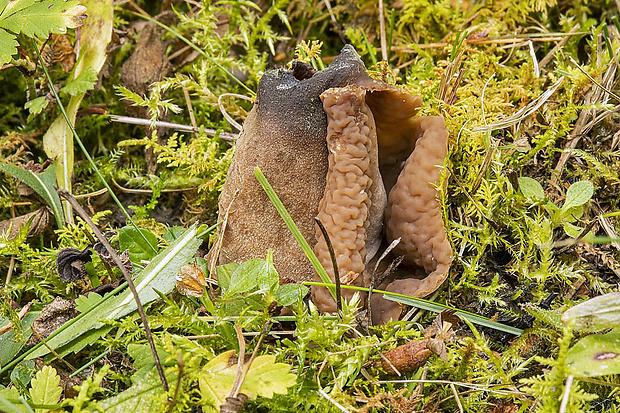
(39, 222)
(415, 354)
(190, 281)
(408, 357)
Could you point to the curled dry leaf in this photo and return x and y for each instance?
(408, 357)
(70, 263)
(39, 222)
(190, 281)
(73, 16)
(415, 354)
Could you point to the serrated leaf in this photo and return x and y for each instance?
(8, 47)
(531, 188)
(42, 183)
(45, 387)
(158, 275)
(595, 314)
(264, 378)
(578, 194)
(84, 82)
(139, 249)
(43, 17)
(596, 355)
(289, 294)
(35, 106)
(84, 302)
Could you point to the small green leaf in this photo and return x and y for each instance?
(245, 278)
(269, 278)
(173, 233)
(595, 314)
(531, 188)
(42, 183)
(574, 231)
(84, 82)
(45, 387)
(224, 274)
(130, 239)
(289, 294)
(9, 401)
(84, 302)
(35, 106)
(22, 374)
(146, 395)
(578, 194)
(596, 355)
(8, 346)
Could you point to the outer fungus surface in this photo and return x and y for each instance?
(333, 144)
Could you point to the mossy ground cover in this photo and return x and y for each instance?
(529, 91)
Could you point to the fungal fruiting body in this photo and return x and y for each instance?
(350, 189)
(332, 144)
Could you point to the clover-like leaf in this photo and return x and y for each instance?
(45, 387)
(264, 378)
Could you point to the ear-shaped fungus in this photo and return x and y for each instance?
(338, 160)
(414, 215)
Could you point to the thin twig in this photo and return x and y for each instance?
(226, 136)
(384, 53)
(229, 118)
(178, 386)
(456, 397)
(190, 108)
(42, 340)
(565, 396)
(334, 264)
(119, 263)
(612, 94)
(20, 316)
(334, 21)
(234, 391)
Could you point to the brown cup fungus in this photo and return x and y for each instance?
(341, 146)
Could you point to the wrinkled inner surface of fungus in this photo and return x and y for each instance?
(334, 144)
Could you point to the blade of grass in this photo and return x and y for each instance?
(83, 148)
(293, 228)
(431, 306)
